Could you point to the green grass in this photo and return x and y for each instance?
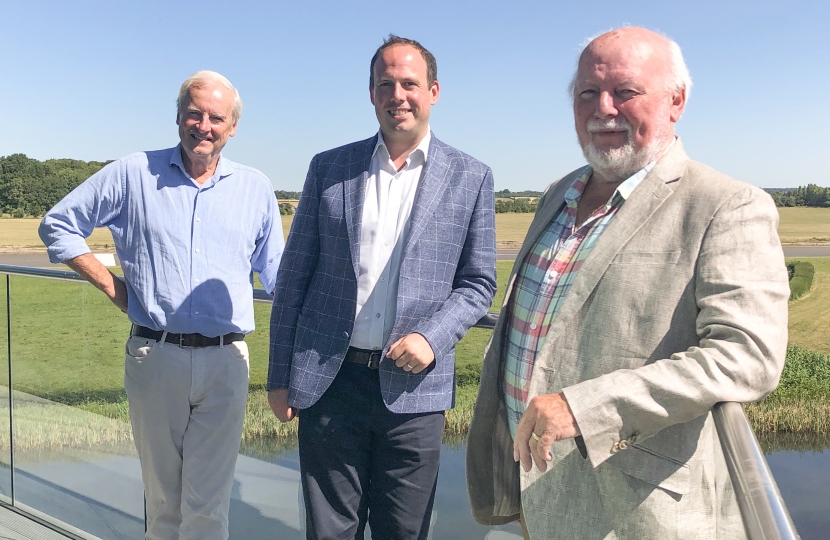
(68, 347)
(801, 403)
(809, 322)
(801, 225)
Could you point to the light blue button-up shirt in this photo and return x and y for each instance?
(187, 251)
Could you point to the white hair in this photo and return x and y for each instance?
(202, 78)
(679, 77)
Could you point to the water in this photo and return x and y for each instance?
(803, 478)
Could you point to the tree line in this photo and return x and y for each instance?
(809, 195)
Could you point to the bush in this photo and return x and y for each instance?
(286, 209)
(468, 375)
(801, 278)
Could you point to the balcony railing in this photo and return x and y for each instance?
(66, 456)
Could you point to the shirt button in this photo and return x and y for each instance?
(377, 315)
(195, 281)
(198, 219)
(197, 250)
(383, 279)
(533, 326)
(386, 244)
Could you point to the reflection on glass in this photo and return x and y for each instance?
(74, 457)
(5, 435)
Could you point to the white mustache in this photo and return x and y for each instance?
(595, 124)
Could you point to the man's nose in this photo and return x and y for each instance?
(398, 93)
(204, 123)
(605, 105)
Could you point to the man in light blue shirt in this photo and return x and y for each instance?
(190, 227)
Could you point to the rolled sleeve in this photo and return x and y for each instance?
(95, 203)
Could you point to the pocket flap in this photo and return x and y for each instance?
(646, 465)
(647, 257)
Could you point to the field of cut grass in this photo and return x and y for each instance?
(810, 314)
(804, 225)
(798, 225)
(21, 234)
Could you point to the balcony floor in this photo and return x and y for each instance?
(14, 526)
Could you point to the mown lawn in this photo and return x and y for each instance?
(797, 225)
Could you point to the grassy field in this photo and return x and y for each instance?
(810, 314)
(798, 226)
(804, 225)
(21, 234)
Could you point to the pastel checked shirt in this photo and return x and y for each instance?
(543, 282)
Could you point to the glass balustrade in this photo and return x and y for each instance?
(69, 457)
(5, 417)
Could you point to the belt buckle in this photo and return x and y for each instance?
(374, 360)
(181, 342)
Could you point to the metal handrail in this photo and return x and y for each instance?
(763, 510)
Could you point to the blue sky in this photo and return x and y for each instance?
(96, 80)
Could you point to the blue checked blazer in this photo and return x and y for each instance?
(447, 277)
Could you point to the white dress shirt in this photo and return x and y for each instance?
(384, 228)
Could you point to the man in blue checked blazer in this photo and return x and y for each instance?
(391, 258)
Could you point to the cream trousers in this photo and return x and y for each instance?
(187, 406)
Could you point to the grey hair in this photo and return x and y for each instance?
(200, 79)
(679, 79)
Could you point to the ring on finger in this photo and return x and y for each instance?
(535, 437)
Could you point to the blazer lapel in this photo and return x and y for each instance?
(354, 191)
(641, 205)
(434, 181)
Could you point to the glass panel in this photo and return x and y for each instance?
(74, 457)
(5, 435)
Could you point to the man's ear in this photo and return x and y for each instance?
(678, 104)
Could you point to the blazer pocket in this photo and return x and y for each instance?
(656, 469)
(647, 257)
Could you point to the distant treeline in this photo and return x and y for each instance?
(29, 187)
(506, 193)
(287, 195)
(809, 195)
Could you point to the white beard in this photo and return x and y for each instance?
(618, 164)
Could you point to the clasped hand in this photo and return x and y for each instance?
(412, 353)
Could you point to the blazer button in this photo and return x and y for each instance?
(623, 444)
(615, 448)
(346, 335)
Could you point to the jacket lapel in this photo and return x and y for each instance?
(640, 206)
(354, 191)
(434, 181)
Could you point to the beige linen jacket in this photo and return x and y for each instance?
(681, 304)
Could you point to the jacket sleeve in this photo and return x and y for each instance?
(474, 283)
(741, 291)
(297, 266)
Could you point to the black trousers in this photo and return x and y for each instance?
(360, 462)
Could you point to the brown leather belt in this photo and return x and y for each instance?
(370, 359)
(186, 340)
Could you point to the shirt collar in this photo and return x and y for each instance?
(421, 150)
(223, 168)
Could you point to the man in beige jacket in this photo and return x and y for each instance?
(649, 288)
